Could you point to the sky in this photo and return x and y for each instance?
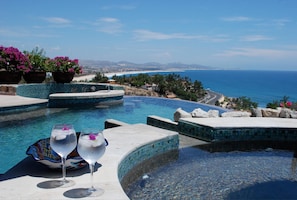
(225, 34)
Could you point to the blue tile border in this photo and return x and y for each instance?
(145, 152)
(43, 91)
(236, 134)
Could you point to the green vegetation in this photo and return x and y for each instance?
(182, 87)
(39, 62)
(100, 78)
(244, 103)
(240, 103)
(284, 102)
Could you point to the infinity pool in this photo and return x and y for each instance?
(24, 129)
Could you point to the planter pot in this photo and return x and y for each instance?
(34, 77)
(10, 77)
(63, 77)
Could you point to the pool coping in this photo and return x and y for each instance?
(21, 181)
(87, 95)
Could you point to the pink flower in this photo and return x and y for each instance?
(281, 104)
(65, 64)
(65, 128)
(286, 104)
(92, 137)
(289, 104)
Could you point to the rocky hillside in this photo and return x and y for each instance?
(132, 91)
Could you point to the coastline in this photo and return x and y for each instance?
(211, 98)
(121, 73)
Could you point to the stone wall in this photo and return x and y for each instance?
(132, 91)
(259, 112)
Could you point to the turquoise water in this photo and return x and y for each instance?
(229, 171)
(16, 136)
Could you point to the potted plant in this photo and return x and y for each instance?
(39, 63)
(63, 69)
(12, 64)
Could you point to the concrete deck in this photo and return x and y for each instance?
(88, 95)
(15, 100)
(30, 180)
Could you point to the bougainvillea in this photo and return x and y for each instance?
(13, 60)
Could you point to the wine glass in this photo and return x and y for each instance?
(63, 141)
(91, 146)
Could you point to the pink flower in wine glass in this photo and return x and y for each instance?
(92, 137)
(65, 128)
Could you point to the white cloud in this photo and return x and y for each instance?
(236, 19)
(57, 20)
(108, 25)
(120, 7)
(144, 35)
(57, 48)
(21, 32)
(108, 20)
(254, 38)
(280, 22)
(257, 52)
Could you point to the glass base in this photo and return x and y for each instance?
(95, 192)
(56, 184)
(83, 192)
(65, 183)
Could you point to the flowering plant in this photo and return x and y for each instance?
(64, 64)
(287, 104)
(12, 60)
(38, 60)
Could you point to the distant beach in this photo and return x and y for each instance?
(111, 74)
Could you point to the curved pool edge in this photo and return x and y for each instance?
(21, 181)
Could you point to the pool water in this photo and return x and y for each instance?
(17, 135)
(199, 174)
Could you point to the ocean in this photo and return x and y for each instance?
(260, 86)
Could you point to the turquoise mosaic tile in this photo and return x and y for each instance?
(161, 123)
(145, 152)
(44, 90)
(236, 134)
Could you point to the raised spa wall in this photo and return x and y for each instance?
(83, 93)
(212, 134)
(43, 91)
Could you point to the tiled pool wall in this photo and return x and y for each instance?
(144, 168)
(145, 152)
(22, 108)
(60, 103)
(162, 123)
(236, 134)
(43, 91)
(211, 134)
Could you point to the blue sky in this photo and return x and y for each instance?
(227, 34)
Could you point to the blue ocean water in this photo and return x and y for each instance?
(260, 86)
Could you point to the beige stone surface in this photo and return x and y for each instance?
(29, 180)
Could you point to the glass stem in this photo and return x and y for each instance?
(91, 165)
(64, 169)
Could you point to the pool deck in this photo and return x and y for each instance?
(16, 100)
(30, 180)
